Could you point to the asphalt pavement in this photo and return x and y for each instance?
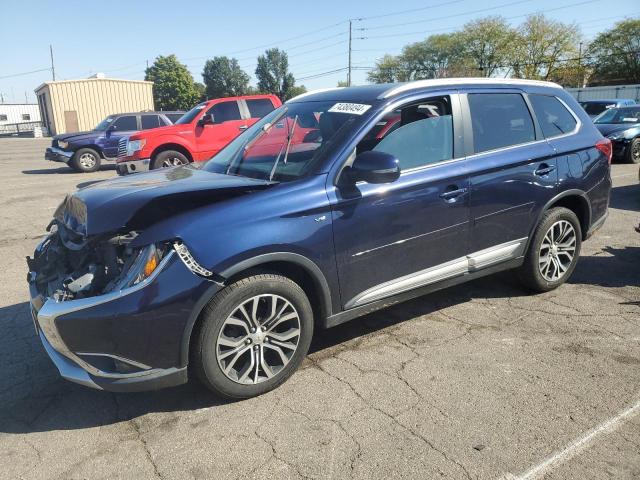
(479, 381)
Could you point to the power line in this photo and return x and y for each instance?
(25, 73)
(412, 10)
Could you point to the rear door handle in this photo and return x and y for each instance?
(452, 194)
(544, 169)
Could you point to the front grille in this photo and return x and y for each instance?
(122, 147)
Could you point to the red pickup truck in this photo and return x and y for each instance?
(197, 136)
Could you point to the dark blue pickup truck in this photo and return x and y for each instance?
(83, 151)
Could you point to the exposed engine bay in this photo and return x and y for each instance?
(69, 266)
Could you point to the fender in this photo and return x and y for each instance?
(567, 193)
(308, 265)
(158, 142)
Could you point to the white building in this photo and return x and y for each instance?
(19, 113)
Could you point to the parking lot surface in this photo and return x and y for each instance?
(483, 380)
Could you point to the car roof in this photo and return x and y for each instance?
(381, 91)
(608, 100)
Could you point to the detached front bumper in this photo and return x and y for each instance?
(124, 341)
(54, 154)
(133, 166)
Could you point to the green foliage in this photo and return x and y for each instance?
(489, 44)
(273, 75)
(173, 87)
(543, 48)
(201, 91)
(223, 77)
(387, 70)
(614, 55)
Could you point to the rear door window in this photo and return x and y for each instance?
(259, 107)
(150, 121)
(225, 111)
(553, 116)
(499, 120)
(127, 123)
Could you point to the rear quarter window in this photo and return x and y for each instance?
(259, 107)
(553, 116)
(499, 120)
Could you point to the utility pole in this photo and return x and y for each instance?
(53, 69)
(581, 78)
(349, 69)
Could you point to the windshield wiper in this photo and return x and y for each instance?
(286, 152)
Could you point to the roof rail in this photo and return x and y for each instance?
(443, 82)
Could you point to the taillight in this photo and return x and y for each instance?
(605, 147)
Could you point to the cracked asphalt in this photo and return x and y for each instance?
(479, 381)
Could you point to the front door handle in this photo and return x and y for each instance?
(452, 194)
(544, 170)
(242, 127)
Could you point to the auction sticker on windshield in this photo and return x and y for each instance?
(352, 108)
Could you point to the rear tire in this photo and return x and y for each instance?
(553, 251)
(169, 158)
(633, 152)
(248, 345)
(85, 160)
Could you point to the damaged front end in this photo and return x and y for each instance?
(68, 266)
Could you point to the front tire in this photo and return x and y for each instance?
(169, 158)
(553, 252)
(633, 152)
(85, 160)
(254, 335)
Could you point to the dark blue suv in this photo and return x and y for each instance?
(308, 219)
(84, 151)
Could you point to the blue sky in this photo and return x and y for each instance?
(118, 37)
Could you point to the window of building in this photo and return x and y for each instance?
(26, 117)
(499, 120)
(3, 117)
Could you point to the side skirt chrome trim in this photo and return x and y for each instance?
(460, 266)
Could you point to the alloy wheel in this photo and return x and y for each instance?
(87, 160)
(557, 251)
(635, 152)
(172, 162)
(258, 339)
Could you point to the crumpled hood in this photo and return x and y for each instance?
(74, 137)
(140, 200)
(609, 128)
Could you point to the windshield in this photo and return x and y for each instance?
(191, 114)
(596, 108)
(104, 124)
(285, 144)
(620, 115)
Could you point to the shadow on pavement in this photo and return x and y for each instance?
(626, 198)
(65, 170)
(616, 267)
(34, 398)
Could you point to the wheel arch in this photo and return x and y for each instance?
(575, 200)
(93, 147)
(291, 265)
(172, 146)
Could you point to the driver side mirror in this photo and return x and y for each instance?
(207, 119)
(110, 128)
(375, 167)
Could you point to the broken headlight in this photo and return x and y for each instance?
(141, 265)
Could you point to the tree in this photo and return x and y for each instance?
(342, 83)
(489, 43)
(223, 77)
(545, 49)
(387, 70)
(438, 56)
(173, 87)
(614, 55)
(273, 74)
(201, 91)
